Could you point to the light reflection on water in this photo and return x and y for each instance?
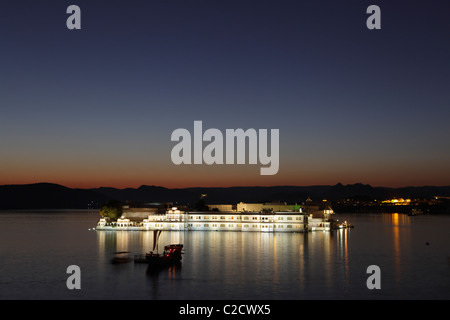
(412, 252)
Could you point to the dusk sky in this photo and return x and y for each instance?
(97, 106)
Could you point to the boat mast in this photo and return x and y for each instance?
(156, 234)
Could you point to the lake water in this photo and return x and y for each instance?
(413, 254)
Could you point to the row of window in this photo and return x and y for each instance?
(214, 225)
(213, 217)
(222, 225)
(244, 218)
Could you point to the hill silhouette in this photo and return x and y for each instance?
(54, 196)
(48, 196)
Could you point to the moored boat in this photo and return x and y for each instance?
(343, 225)
(120, 257)
(171, 256)
(415, 212)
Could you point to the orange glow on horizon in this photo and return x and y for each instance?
(169, 176)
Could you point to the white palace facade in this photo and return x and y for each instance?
(245, 221)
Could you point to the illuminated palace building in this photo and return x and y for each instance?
(243, 217)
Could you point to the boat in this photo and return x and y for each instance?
(121, 257)
(415, 212)
(170, 256)
(343, 225)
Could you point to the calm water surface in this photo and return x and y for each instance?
(413, 253)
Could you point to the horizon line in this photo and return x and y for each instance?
(224, 187)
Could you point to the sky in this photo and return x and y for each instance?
(97, 106)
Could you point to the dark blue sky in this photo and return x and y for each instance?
(97, 106)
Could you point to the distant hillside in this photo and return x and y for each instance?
(48, 196)
(53, 196)
(289, 194)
